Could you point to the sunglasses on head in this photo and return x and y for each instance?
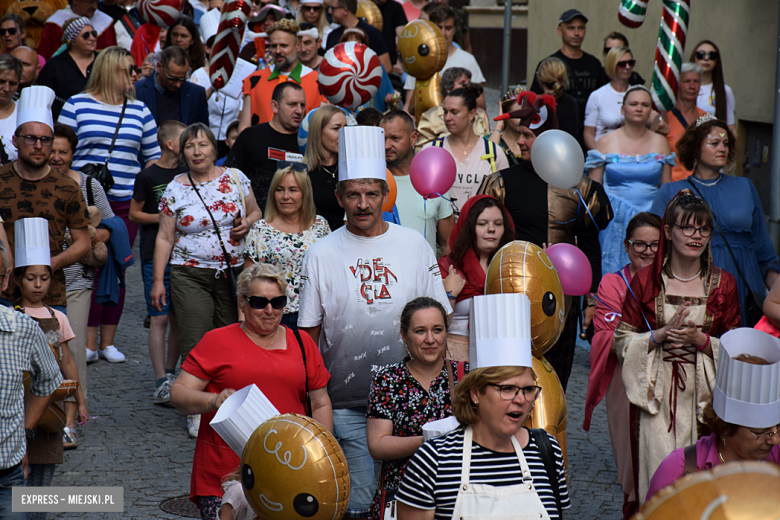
(703, 55)
(261, 302)
(297, 166)
(625, 64)
(91, 33)
(11, 31)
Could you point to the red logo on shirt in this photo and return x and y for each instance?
(375, 279)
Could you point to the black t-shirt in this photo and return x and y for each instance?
(526, 201)
(323, 185)
(569, 117)
(256, 152)
(375, 40)
(149, 188)
(584, 78)
(393, 16)
(168, 105)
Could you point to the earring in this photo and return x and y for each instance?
(695, 162)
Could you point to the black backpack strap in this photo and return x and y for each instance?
(307, 404)
(548, 457)
(90, 195)
(690, 459)
(3, 155)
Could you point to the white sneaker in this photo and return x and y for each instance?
(171, 379)
(193, 424)
(111, 354)
(92, 356)
(162, 394)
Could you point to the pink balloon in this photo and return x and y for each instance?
(433, 172)
(573, 268)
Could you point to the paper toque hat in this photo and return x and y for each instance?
(209, 24)
(240, 415)
(500, 331)
(746, 394)
(438, 428)
(34, 106)
(31, 242)
(362, 153)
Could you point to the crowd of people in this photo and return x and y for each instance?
(266, 247)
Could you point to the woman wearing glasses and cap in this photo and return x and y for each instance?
(290, 226)
(744, 417)
(283, 363)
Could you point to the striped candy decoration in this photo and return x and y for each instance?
(631, 13)
(350, 74)
(227, 44)
(162, 13)
(669, 53)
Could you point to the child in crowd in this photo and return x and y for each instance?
(234, 505)
(230, 137)
(149, 187)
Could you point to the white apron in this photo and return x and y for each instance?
(478, 501)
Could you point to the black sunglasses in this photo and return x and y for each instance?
(133, 69)
(11, 31)
(261, 302)
(702, 55)
(312, 8)
(297, 166)
(87, 34)
(627, 63)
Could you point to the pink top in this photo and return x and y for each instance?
(43, 313)
(412, 13)
(673, 466)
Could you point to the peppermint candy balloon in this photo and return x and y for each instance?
(227, 44)
(631, 13)
(162, 13)
(350, 74)
(669, 53)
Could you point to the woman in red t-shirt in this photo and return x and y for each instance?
(260, 351)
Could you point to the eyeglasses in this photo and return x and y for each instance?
(641, 247)
(171, 78)
(312, 8)
(509, 392)
(703, 55)
(11, 31)
(261, 302)
(87, 34)
(30, 140)
(626, 64)
(297, 166)
(762, 438)
(689, 230)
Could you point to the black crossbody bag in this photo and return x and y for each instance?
(100, 172)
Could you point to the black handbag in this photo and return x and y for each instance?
(100, 172)
(230, 272)
(754, 302)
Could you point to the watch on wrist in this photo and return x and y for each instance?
(29, 434)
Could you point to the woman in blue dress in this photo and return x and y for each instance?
(706, 148)
(631, 162)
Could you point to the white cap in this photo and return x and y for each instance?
(362, 153)
(746, 394)
(31, 242)
(240, 415)
(209, 24)
(500, 331)
(34, 106)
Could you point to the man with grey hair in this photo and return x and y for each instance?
(23, 348)
(354, 284)
(684, 113)
(10, 76)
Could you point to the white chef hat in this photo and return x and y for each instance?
(31, 242)
(209, 24)
(500, 331)
(312, 2)
(362, 153)
(746, 394)
(34, 106)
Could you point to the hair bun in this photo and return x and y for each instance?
(474, 88)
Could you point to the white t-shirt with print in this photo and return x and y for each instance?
(7, 129)
(459, 58)
(706, 102)
(603, 110)
(355, 288)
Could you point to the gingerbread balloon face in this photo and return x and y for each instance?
(292, 468)
(423, 49)
(523, 267)
(368, 10)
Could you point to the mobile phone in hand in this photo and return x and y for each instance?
(237, 219)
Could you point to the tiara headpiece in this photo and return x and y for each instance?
(706, 118)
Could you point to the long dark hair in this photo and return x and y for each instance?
(467, 239)
(468, 93)
(718, 85)
(196, 52)
(689, 145)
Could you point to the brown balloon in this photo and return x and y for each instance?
(549, 412)
(523, 267)
(368, 9)
(292, 468)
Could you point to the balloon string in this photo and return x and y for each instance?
(620, 268)
(425, 209)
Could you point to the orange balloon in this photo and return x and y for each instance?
(392, 194)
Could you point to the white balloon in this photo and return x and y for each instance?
(557, 158)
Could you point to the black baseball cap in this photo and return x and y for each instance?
(571, 14)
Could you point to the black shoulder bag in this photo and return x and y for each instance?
(307, 404)
(100, 171)
(230, 273)
(754, 302)
(548, 457)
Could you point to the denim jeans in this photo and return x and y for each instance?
(349, 428)
(16, 478)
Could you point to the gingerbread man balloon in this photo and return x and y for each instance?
(292, 468)
(423, 54)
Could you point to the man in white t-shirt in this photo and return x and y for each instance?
(444, 18)
(354, 284)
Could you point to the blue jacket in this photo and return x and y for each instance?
(120, 257)
(194, 105)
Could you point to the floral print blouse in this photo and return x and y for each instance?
(265, 244)
(397, 396)
(196, 243)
